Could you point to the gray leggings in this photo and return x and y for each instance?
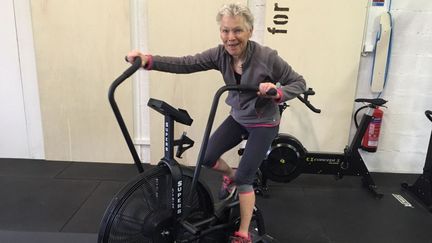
(229, 134)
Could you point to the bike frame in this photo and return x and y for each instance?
(179, 213)
(111, 97)
(207, 131)
(341, 164)
(349, 162)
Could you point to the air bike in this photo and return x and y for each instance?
(287, 158)
(169, 202)
(422, 188)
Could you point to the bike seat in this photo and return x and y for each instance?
(376, 101)
(165, 109)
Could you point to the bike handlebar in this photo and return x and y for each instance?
(245, 88)
(304, 99)
(126, 74)
(428, 114)
(373, 102)
(272, 92)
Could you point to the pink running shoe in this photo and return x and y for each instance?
(227, 188)
(237, 238)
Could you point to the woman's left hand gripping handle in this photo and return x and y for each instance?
(268, 90)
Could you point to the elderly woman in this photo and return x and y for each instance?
(240, 61)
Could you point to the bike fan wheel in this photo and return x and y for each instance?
(141, 210)
(280, 164)
(283, 162)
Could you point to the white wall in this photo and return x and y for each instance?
(323, 44)
(405, 130)
(20, 120)
(80, 47)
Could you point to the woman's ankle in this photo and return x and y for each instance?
(242, 234)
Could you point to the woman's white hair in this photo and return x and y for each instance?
(236, 9)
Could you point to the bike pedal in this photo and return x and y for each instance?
(264, 239)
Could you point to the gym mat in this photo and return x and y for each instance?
(57, 201)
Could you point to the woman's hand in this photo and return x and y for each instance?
(136, 53)
(264, 88)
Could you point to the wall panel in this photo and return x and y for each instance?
(322, 41)
(80, 47)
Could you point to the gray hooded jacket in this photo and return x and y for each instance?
(262, 64)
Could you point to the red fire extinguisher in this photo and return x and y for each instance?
(371, 137)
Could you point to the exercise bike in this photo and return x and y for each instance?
(422, 188)
(170, 203)
(288, 158)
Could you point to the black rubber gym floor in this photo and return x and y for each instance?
(56, 201)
